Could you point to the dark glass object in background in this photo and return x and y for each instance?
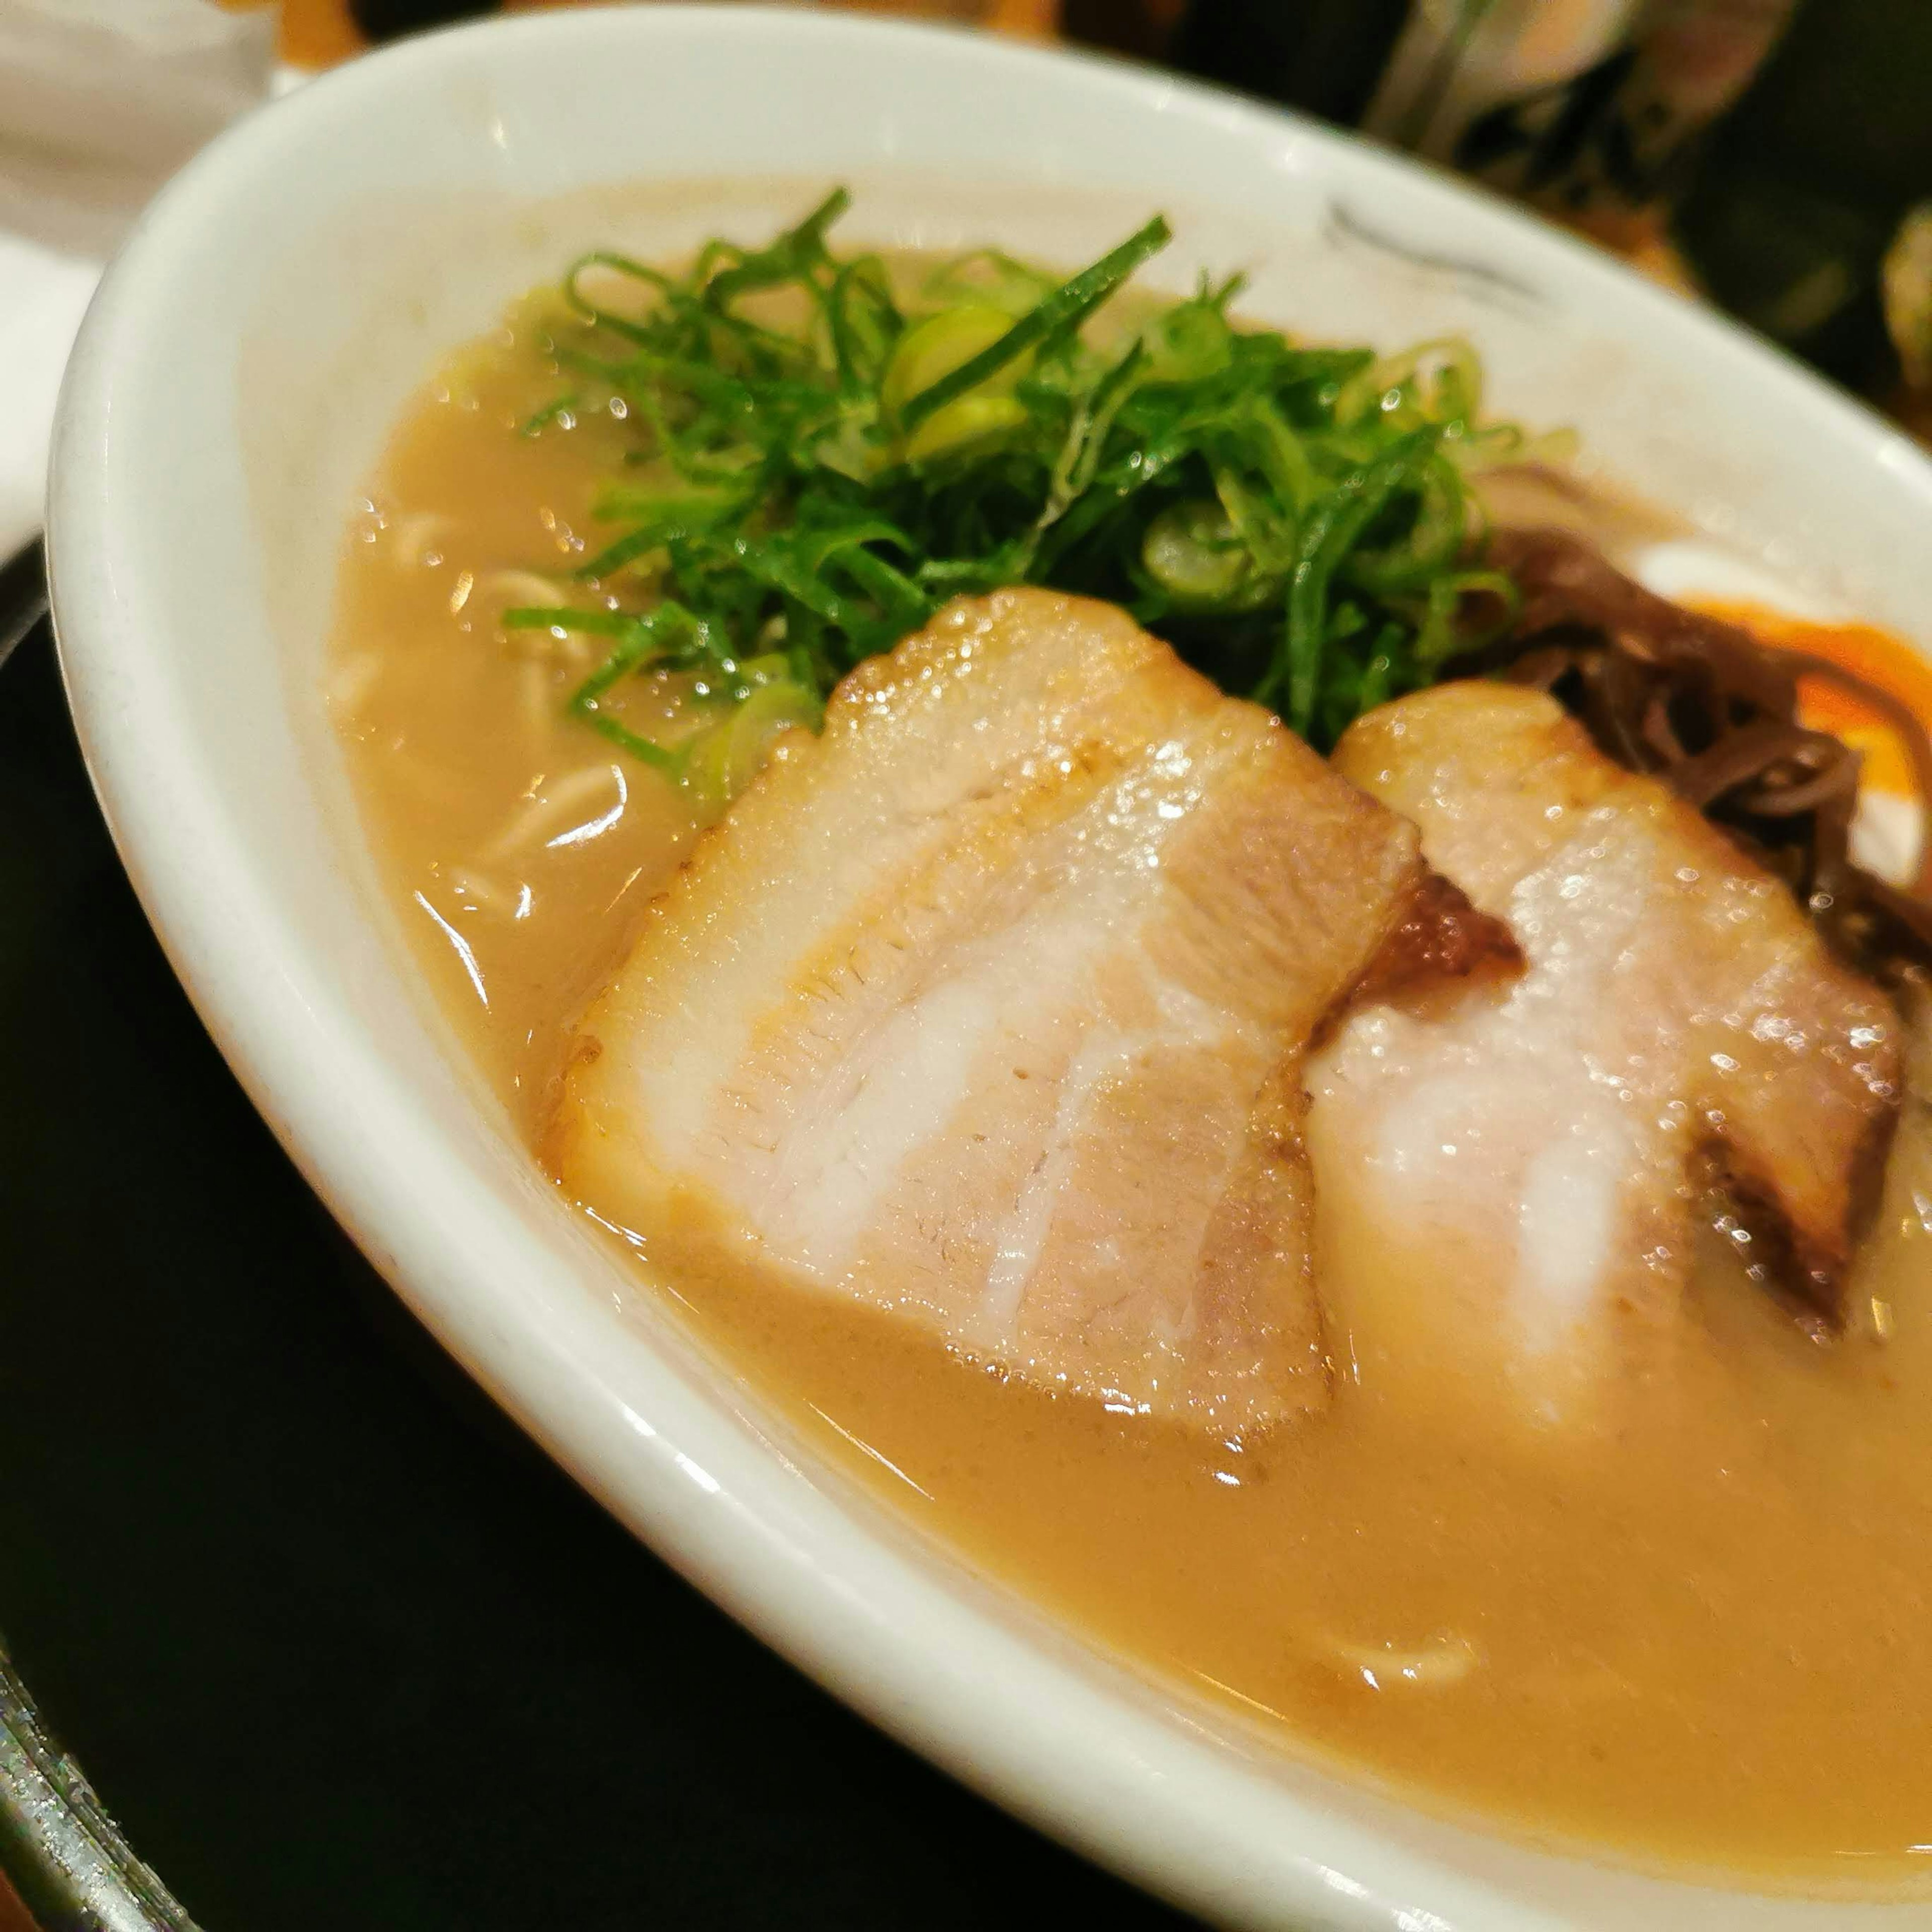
(1787, 191)
(1805, 185)
(388, 19)
(1610, 142)
(1594, 114)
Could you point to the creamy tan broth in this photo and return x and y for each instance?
(1704, 1646)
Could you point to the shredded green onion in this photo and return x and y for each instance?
(819, 464)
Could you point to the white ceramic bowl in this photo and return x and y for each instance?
(233, 384)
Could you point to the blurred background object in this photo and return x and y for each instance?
(1769, 155)
(1906, 286)
(1592, 110)
(100, 100)
(1806, 187)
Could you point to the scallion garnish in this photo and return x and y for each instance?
(820, 463)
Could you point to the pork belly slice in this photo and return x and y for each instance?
(988, 1007)
(1511, 1182)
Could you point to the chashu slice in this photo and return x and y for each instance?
(1511, 1182)
(988, 1007)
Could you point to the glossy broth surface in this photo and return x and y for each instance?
(1702, 1643)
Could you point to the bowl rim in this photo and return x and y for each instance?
(1180, 1813)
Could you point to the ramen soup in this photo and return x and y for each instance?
(1394, 1231)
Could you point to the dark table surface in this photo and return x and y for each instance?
(336, 1646)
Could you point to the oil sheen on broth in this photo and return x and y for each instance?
(1700, 1641)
